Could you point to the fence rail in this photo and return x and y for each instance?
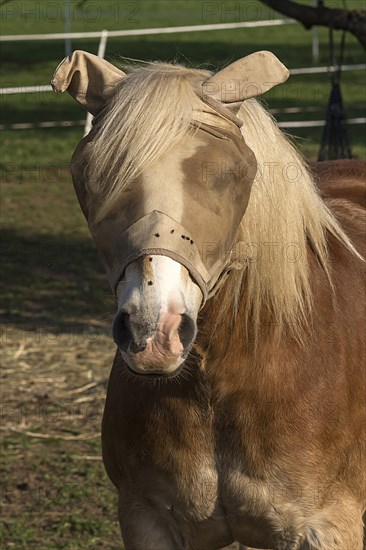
(151, 31)
(294, 72)
(71, 123)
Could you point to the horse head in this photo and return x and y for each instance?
(164, 179)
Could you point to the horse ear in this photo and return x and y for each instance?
(88, 79)
(248, 77)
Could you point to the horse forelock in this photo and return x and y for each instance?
(149, 113)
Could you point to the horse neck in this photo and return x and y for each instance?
(231, 340)
(236, 360)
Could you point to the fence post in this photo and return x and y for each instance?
(315, 45)
(67, 27)
(101, 53)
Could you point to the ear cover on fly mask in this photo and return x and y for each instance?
(250, 76)
(87, 78)
(121, 236)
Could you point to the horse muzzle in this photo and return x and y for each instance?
(155, 326)
(158, 350)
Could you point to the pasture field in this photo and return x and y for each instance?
(57, 308)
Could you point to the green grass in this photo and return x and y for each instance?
(31, 16)
(59, 502)
(56, 299)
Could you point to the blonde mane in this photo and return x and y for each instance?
(285, 214)
(150, 113)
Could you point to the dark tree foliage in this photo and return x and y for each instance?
(353, 21)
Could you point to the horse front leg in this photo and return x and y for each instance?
(340, 527)
(143, 528)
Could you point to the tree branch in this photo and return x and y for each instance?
(353, 21)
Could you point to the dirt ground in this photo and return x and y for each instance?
(54, 491)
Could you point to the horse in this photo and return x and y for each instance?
(235, 409)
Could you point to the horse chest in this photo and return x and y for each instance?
(195, 470)
(211, 499)
(210, 471)
(212, 482)
(218, 498)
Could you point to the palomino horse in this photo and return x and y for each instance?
(236, 403)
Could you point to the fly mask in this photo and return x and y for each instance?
(189, 203)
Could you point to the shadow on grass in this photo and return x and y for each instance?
(53, 283)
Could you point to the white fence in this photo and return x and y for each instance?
(104, 35)
(151, 31)
(293, 72)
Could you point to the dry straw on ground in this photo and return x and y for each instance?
(53, 386)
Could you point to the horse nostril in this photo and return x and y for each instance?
(187, 331)
(128, 335)
(121, 330)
